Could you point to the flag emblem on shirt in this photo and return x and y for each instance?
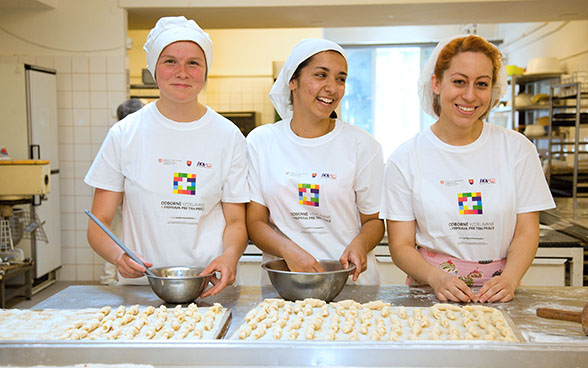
(470, 203)
(308, 194)
(184, 183)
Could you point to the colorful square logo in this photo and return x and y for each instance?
(184, 183)
(308, 194)
(470, 203)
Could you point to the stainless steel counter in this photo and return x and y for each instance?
(549, 343)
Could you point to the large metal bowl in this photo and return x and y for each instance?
(300, 285)
(178, 284)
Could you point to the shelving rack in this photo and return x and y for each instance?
(532, 84)
(565, 111)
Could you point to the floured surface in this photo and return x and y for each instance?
(311, 319)
(123, 323)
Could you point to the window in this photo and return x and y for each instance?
(381, 94)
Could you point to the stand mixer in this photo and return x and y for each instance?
(20, 181)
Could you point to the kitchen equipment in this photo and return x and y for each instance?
(301, 285)
(544, 65)
(178, 284)
(514, 70)
(118, 242)
(523, 99)
(175, 284)
(564, 315)
(29, 131)
(535, 131)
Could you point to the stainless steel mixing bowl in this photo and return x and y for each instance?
(300, 285)
(178, 284)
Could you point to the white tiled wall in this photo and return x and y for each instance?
(224, 94)
(89, 89)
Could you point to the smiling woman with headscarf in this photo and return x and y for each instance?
(315, 181)
(462, 198)
(180, 167)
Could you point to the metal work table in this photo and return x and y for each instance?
(549, 343)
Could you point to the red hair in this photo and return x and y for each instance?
(465, 44)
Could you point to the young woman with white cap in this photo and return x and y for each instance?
(315, 181)
(180, 167)
(461, 198)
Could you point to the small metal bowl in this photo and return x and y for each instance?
(178, 284)
(301, 285)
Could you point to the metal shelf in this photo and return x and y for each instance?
(573, 120)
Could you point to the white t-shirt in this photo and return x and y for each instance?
(316, 188)
(465, 199)
(174, 177)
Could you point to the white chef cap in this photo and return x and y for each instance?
(280, 92)
(172, 29)
(426, 94)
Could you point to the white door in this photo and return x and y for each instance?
(43, 137)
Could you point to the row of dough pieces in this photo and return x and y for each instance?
(150, 323)
(122, 323)
(313, 319)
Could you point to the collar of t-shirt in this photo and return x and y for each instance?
(479, 142)
(190, 125)
(311, 141)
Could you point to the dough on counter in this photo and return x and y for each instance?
(310, 319)
(121, 323)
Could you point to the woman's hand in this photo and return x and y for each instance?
(355, 253)
(129, 268)
(299, 260)
(448, 287)
(227, 267)
(497, 289)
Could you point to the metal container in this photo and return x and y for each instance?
(178, 284)
(300, 285)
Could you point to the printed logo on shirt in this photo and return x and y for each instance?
(184, 183)
(169, 161)
(328, 176)
(314, 175)
(470, 203)
(308, 194)
(189, 163)
(487, 181)
(296, 174)
(450, 183)
(471, 181)
(206, 165)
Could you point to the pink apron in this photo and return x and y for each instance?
(473, 273)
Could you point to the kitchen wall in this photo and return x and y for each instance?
(241, 74)
(85, 42)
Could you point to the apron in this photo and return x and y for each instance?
(471, 272)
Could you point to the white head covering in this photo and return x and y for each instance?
(280, 92)
(172, 29)
(426, 94)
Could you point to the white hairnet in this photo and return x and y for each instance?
(172, 29)
(280, 92)
(426, 94)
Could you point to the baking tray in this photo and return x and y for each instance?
(41, 323)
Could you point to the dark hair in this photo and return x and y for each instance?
(128, 107)
(296, 74)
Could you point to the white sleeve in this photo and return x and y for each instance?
(532, 191)
(397, 189)
(105, 172)
(253, 176)
(368, 180)
(235, 189)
